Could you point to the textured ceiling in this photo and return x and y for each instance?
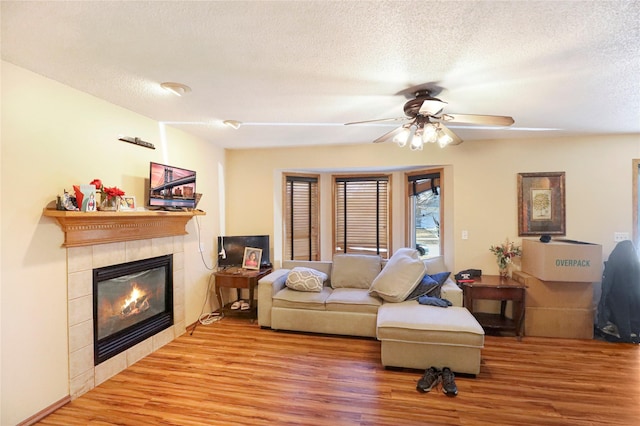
(295, 71)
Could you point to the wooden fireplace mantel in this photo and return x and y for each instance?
(89, 228)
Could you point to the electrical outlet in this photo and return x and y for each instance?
(465, 235)
(620, 236)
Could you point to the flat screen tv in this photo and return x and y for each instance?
(171, 188)
(231, 249)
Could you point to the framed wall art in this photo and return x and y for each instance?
(541, 204)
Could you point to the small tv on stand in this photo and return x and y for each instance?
(171, 188)
(231, 249)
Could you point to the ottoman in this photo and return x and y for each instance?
(420, 336)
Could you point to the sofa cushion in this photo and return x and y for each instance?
(352, 300)
(305, 279)
(413, 322)
(354, 270)
(399, 277)
(452, 292)
(430, 285)
(293, 299)
(435, 265)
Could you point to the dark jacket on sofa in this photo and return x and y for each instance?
(620, 300)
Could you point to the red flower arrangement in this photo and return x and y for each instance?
(109, 192)
(97, 183)
(113, 192)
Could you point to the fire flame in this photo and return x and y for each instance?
(130, 305)
(135, 294)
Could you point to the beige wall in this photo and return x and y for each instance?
(481, 188)
(54, 137)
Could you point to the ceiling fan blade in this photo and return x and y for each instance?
(375, 121)
(455, 140)
(431, 106)
(389, 135)
(488, 120)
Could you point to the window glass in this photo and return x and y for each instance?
(425, 216)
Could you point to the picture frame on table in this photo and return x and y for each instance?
(252, 257)
(128, 203)
(541, 203)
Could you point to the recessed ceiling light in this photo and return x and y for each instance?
(233, 123)
(176, 88)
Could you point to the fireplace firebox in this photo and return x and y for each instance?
(131, 302)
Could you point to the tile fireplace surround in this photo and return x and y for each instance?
(83, 375)
(98, 239)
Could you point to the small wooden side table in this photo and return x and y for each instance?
(494, 287)
(238, 278)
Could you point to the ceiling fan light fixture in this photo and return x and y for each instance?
(430, 133)
(402, 136)
(233, 124)
(416, 144)
(410, 136)
(177, 89)
(428, 123)
(444, 139)
(401, 139)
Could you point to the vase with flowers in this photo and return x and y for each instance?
(505, 253)
(111, 197)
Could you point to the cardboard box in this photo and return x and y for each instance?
(562, 261)
(555, 294)
(559, 322)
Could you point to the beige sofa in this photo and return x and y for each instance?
(412, 335)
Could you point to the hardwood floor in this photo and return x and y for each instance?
(234, 373)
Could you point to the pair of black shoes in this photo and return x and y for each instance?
(432, 376)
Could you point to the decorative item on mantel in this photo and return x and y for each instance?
(505, 252)
(111, 197)
(85, 197)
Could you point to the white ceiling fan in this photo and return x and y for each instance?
(424, 121)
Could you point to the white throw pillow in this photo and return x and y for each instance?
(354, 270)
(435, 265)
(399, 277)
(305, 279)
